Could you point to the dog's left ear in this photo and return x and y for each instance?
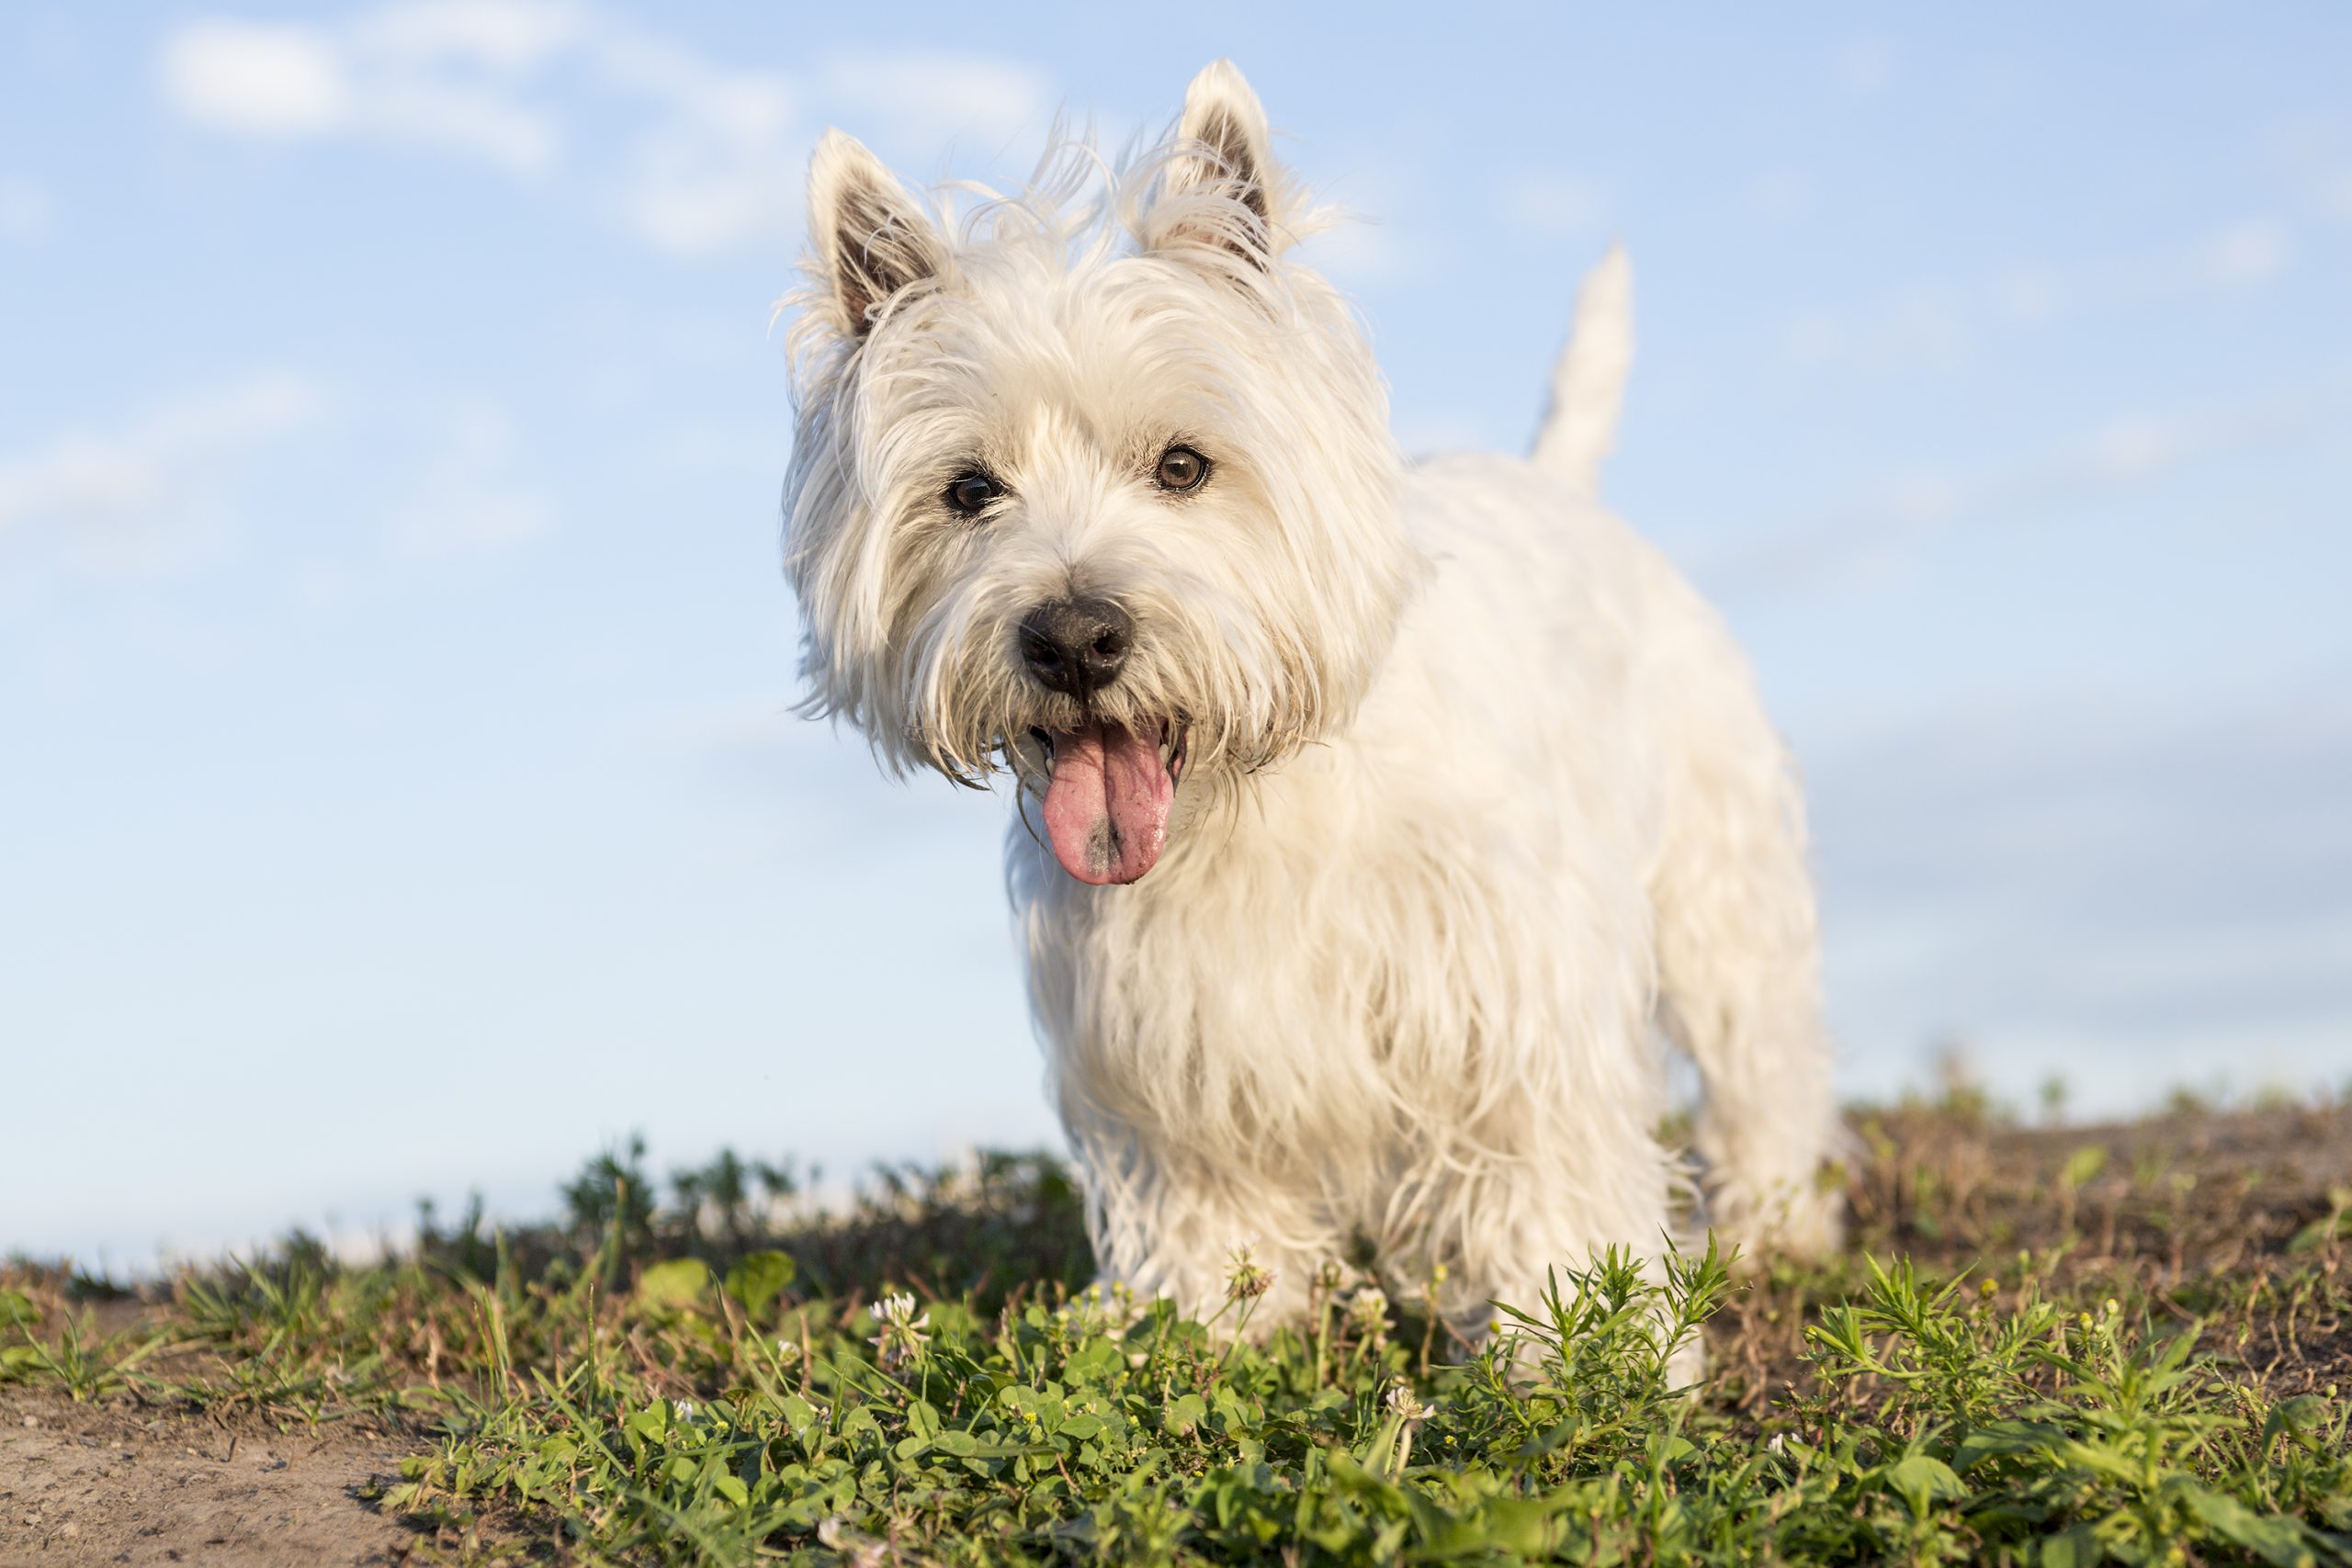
(872, 237)
(1222, 187)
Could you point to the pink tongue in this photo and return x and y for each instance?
(1106, 809)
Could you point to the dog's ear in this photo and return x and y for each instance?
(1221, 186)
(872, 238)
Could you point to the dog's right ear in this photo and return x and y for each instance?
(1222, 189)
(872, 238)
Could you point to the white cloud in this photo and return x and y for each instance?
(1852, 542)
(928, 98)
(1350, 239)
(148, 495)
(508, 36)
(1864, 67)
(706, 156)
(716, 161)
(295, 81)
(24, 211)
(1360, 252)
(2241, 256)
(256, 77)
(714, 177)
(469, 500)
(2029, 293)
(2313, 154)
(1545, 203)
(1937, 325)
(750, 449)
(464, 119)
(160, 491)
(2332, 192)
(1925, 326)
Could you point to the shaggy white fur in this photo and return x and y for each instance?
(1370, 817)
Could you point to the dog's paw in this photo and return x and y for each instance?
(1800, 1223)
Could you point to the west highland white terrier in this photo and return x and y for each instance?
(1371, 818)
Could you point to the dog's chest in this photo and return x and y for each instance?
(1304, 974)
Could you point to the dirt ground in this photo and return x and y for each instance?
(83, 1484)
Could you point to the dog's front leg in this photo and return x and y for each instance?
(1510, 1227)
(1240, 1254)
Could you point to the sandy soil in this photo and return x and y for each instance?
(80, 1484)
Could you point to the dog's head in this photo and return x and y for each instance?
(1101, 493)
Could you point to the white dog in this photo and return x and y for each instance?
(1370, 815)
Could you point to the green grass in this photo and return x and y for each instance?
(2047, 1347)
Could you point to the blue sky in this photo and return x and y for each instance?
(399, 790)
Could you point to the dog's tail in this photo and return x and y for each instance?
(1588, 383)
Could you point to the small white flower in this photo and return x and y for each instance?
(1402, 1402)
(1410, 1412)
(903, 1333)
(1248, 1278)
(685, 1410)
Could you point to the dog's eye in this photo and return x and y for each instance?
(971, 492)
(1181, 468)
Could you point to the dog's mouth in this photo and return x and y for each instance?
(1108, 791)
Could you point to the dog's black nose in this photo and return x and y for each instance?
(1077, 645)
